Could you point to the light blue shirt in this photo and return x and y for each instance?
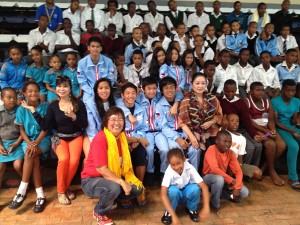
(284, 73)
(235, 44)
(72, 74)
(176, 72)
(269, 45)
(37, 74)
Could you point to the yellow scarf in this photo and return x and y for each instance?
(265, 20)
(126, 169)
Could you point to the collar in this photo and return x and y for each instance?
(235, 98)
(211, 40)
(260, 66)
(232, 33)
(247, 66)
(142, 67)
(290, 69)
(33, 65)
(90, 62)
(47, 30)
(287, 38)
(68, 68)
(3, 109)
(254, 35)
(213, 14)
(135, 45)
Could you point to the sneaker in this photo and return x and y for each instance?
(102, 219)
(166, 218)
(193, 215)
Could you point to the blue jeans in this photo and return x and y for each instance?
(107, 191)
(189, 196)
(219, 188)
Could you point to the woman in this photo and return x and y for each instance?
(96, 109)
(67, 116)
(200, 113)
(108, 173)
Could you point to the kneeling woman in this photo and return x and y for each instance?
(108, 173)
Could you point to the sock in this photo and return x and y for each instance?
(40, 194)
(22, 190)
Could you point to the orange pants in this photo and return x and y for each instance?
(68, 153)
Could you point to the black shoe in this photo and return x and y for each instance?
(166, 218)
(15, 203)
(193, 215)
(39, 205)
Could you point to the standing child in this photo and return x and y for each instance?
(210, 37)
(252, 35)
(161, 36)
(35, 145)
(173, 68)
(202, 52)
(71, 72)
(10, 138)
(12, 73)
(190, 67)
(50, 77)
(182, 184)
(36, 71)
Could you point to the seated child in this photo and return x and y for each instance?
(194, 30)
(231, 124)
(121, 73)
(112, 42)
(181, 37)
(221, 42)
(182, 184)
(154, 45)
(90, 32)
(217, 160)
(262, 116)
(146, 38)
(10, 138)
(252, 35)
(201, 51)
(210, 37)
(161, 36)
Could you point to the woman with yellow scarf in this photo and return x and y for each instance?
(108, 173)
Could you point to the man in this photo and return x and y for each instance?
(174, 17)
(199, 18)
(90, 12)
(282, 17)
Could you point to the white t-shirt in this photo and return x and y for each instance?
(189, 176)
(238, 145)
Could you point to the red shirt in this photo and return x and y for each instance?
(113, 45)
(97, 156)
(85, 37)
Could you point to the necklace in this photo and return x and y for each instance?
(49, 16)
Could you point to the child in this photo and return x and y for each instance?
(221, 43)
(217, 18)
(92, 12)
(217, 160)
(114, 17)
(238, 15)
(161, 36)
(202, 52)
(286, 106)
(174, 16)
(267, 75)
(238, 146)
(139, 70)
(35, 144)
(50, 77)
(193, 32)
(121, 72)
(71, 72)
(252, 35)
(10, 138)
(158, 59)
(173, 68)
(131, 20)
(260, 16)
(90, 32)
(153, 17)
(175, 44)
(182, 184)
(288, 69)
(135, 45)
(112, 42)
(235, 42)
(225, 71)
(181, 37)
(93, 67)
(73, 13)
(210, 37)
(12, 73)
(262, 115)
(146, 38)
(209, 70)
(243, 71)
(190, 67)
(199, 17)
(154, 45)
(36, 71)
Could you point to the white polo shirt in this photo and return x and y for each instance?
(201, 21)
(63, 39)
(75, 19)
(131, 22)
(243, 73)
(226, 74)
(154, 20)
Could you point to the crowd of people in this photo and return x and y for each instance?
(209, 93)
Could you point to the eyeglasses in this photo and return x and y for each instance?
(63, 78)
(116, 120)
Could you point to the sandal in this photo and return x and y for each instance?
(15, 203)
(63, 199)
(141, 200)
(71, 195)
(295, 184)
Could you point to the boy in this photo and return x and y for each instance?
(288, 69)
(121, 72)
(174, 17)
(235, 42)
(199, 17)
(243, 71)
(146, 38)
(161, 36)
(180, 37)
(238, 15)
(153, 17)
(74, 13)
(260, 16)
(93, 67)
(135, 45)
(233, 104)
(194, 31)
(209, 70)
(131, 20)
(210, 37)
(113, 42)
(90, 12)
(252, 35)
(217, 18)
(217, 160)
(267, 75)
(225, 71)
(139, 70)
(52, 12)
(90, 32)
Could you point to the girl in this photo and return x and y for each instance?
(181, 185)
(36, 71)
(173, 68)
(158, 59)
(50, 77)
(12, 73)
(96, 108)
(190, 67)
(68, 117)
(10, 138)
(71, 72)
(35, 144)
(201, 52)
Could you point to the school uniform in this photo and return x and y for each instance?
(75, 19)
(165, 43)
(243, 76)
(212, 43)
(131, 22)
(154, 20)
(32, 128)
(174, 18)
(235, 42)
(148, 44)
(130, 49)
(176, 72)
(217, 20)
(201, 21)
(207, 54)
(117, 19)
(88, 73)
(286, 44)
(9, 133)
(221, 43)
(136, 75)
(269, 45)
(50, 78)
(98, 15)
(225, 74)
(285, 73)
(260, 25)
(171, 131)
(181, 41)
(241, 18)
(72, 74)
(37, 74)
